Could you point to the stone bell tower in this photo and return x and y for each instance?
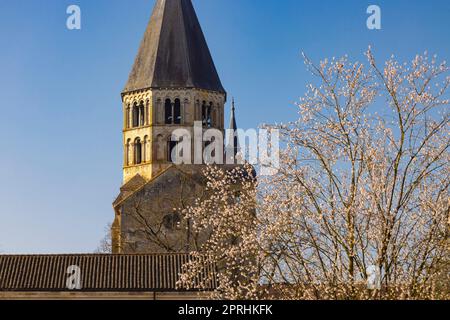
(172, 84)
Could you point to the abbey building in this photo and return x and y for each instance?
(173, 83)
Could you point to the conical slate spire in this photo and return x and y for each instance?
(174, 52)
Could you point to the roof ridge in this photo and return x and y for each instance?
(159, 39)
(186, 44)
(99, 272)
(172, 166)
(98, 254)
(141, 187)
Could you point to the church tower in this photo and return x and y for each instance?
(172, 84)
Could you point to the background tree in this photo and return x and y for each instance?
(105, 245)
(362, 193)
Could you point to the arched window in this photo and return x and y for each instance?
(171, 147)
(168, 112)
(206, 114)
(177, 111)
(135, 115)
(209, 121)
(138, 115)
(137, 151)
(172, 221)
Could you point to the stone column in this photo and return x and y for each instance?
(158, 112)
(147, 112)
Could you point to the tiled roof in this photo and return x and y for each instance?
(153, 272)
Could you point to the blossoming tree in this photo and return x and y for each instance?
(360, 206)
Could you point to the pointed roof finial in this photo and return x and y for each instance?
(233, 125)
(233, 142)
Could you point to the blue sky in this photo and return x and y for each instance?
(60, 122)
